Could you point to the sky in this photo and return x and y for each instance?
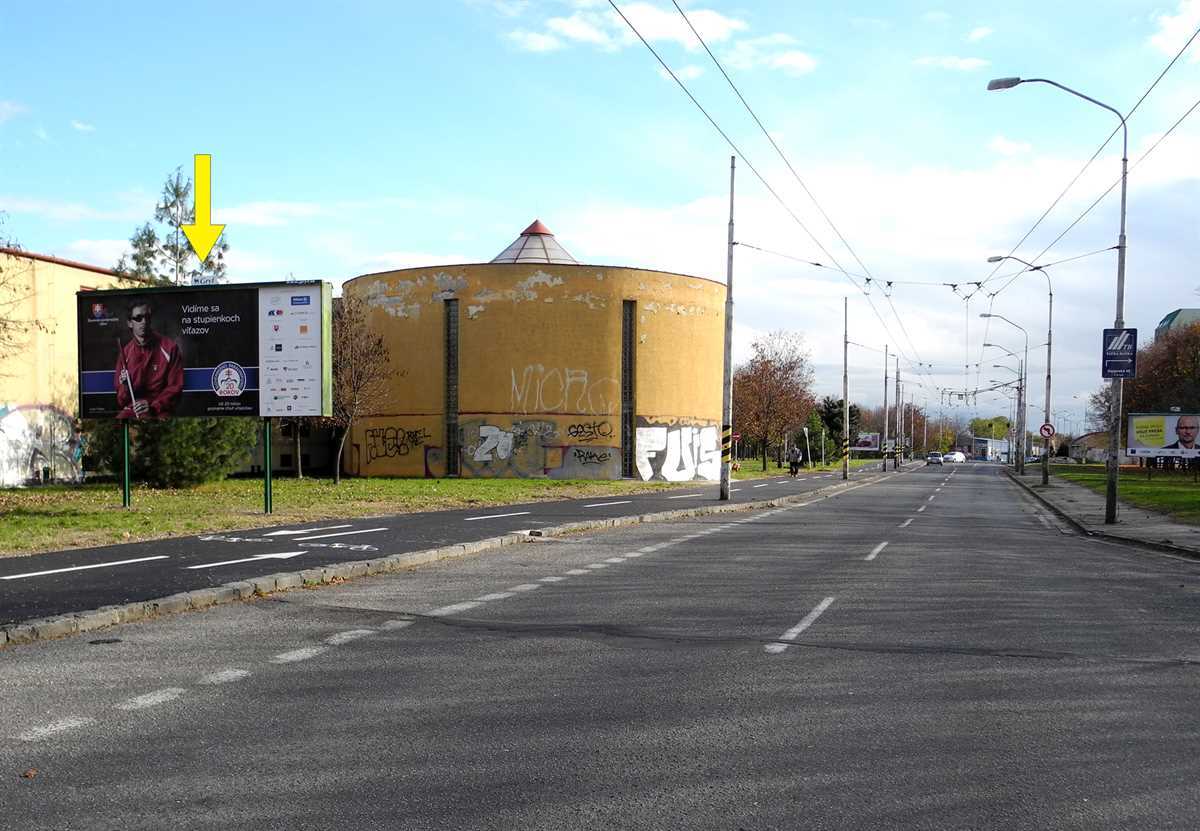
(397, 134)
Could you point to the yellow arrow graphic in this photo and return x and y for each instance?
(203, 234)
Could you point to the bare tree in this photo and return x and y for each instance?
(15, 326)
(772, 392)
(360, 369)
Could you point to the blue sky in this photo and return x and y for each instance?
(398, 134)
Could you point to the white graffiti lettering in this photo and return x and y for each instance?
(541, 389)
(678, 454)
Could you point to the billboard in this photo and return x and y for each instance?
(226, 350)
(866, 441)
(1164, 434)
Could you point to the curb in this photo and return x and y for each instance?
(1161, 547)
(77, 623)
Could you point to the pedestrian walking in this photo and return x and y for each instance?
(795, 457)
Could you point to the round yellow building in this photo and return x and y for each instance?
(533, 365)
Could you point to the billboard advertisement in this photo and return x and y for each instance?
(1164, 434)
(866, 441)
(227, 350)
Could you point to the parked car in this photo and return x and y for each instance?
(956, 456)
(934, 458)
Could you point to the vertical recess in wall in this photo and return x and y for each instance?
(628, 365)
(452, 438)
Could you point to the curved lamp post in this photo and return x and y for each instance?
(1021, 389)
(1049, 340)
(1112, 464)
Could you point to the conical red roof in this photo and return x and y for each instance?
(535, 245)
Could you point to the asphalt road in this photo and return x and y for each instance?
(87, 578)
(776, 669)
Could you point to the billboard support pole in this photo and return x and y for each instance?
(267, 466)
(126, 497)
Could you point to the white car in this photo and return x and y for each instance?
(955, 456)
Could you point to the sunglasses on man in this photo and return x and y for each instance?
(140, 318)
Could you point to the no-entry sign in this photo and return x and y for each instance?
(1047, 430)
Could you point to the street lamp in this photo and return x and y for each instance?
(1114, 412)
(1021, 405)
(1049, 340)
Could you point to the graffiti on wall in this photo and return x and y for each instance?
(542, 389)
(35, 439)
(678, 452)
(392, 442)
(538, 448)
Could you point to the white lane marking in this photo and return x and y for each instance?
(453, 609)
(597, 566)
(650, 549)
(685, 496)
(931, 496)
(906, 522)
(875, 551)
(734, 490)
(339, 638)
(389, 625)
(282, 555)
(151, 699)
(633, 554)
(615, 560)
(553, 578)
(602, 504)
(937, 490)
(791, 634)
(781, 481)
(496, 516)
(487, 598)
(45, 731)
(302, 654)
(225, 676)
(304, 531)
(578, 571)
(340, 534)
(921, 510)
(524, 587)
(82, 568)
(762, 486)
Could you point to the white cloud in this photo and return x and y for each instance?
(979, 33)
(504, 8)
(71, 211)
(83, 127)
(534, 41)
(244, 265)
(581, 27)
(1008, 147)
(660, 24)
(10, 110)
(1175, 29)
(98, 252)
(267, 213)
(796, 63)
(952, 62)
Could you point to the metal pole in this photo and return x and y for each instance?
(1049, 340)
(1021, 416)
(1113, 464)
(727, 387)
(899, 421)
(126, 496)
(884, 440)
(845, 388)
(267, 507)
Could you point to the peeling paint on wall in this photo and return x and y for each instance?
(592, 301)
(474, 311)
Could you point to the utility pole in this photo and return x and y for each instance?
(727, 387)
(899, 419)
(845, 388)
(884, 438)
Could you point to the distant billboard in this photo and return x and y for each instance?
(866, 441)
(226, 350)
(1164, 434)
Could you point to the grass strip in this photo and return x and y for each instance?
(1176, 494)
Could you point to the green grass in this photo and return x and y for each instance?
(1174, 494)
(752, 468)
(57, 517)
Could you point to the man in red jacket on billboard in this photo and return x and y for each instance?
(149, 374)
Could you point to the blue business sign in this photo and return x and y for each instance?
(1120, 353)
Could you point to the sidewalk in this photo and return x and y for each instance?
(1084, 508)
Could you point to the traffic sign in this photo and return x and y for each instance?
(737, 436)
(1120, 353)
(1047, 430)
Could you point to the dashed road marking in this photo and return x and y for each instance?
(294, 655)
(578, 571)
(596, 566)
(349, 635)
(553, 578)
(685, 496)
(794, 632)
(603, 504)
(906, 522)
(921, 510)
(487, 598)
(45, 731)
(225, 676)
(151, 699)
(524, 587)
(875, 551)
(340, 534)
(82, 568)
(497, 516)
